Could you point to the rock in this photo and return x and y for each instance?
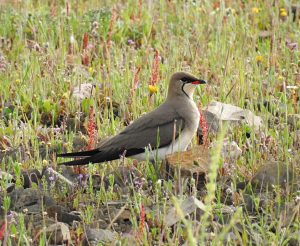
(83, 91)
(212, 121)
(61, 214)
(272, 174)
(23, 198)
(58, 234)
(37, 221)
(99, 236)
(31, 176)
(69, 173)
(294, 239)
(33, 202)
(192, 162)
(254, 203)
(54, 178)
(219, 112)
(188, 206)
(10, 187)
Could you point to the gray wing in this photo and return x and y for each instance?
(156, 129)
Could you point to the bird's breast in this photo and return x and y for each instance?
(192, 116)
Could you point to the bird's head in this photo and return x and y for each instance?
(182, 83)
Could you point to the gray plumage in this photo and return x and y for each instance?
(168, 128)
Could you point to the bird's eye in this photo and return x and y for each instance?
(186, 80)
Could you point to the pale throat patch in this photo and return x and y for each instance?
(189, 89)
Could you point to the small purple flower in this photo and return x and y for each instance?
(11, 215)
(80, 176)
(130, 42)
(52, 178)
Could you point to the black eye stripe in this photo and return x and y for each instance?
(187, 80)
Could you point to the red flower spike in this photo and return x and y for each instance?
(2, 231)
(85, 41)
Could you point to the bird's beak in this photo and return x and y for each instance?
(199, 82)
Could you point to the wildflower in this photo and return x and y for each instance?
(45, 162)
(155, 68)
(18, 81)
(283, 12)
(255, 10)
(65, 95)
(259, 58)
(72, 39)
(91, 129)
(142, 219)
(112, 21)
(280, 78)
(95, 25)
(91, 70)
(135, 81)
(2, 231)
(94, 33)
(80, 176)
(204, 127)
(52, 178)
(152, 89)
(130, 42)
(85, 41)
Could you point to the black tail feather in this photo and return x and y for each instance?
(79, 154)
(97, 156)
(79, 162)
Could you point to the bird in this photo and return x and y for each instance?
(167, 129)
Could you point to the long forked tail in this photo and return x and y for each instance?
(86, 157)
(79, 154)
(78, 162)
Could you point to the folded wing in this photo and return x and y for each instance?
(157, 129)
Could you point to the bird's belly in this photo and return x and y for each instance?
(180, 144)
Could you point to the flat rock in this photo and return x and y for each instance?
(58, 234)
(188, 206)
(22, 198)
(61, 214)
(83, 91)
(99, 236)
(218, 112)
(274, 173)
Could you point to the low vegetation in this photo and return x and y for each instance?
(73, 73)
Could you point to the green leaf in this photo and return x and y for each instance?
(47, 106)
(86, 104)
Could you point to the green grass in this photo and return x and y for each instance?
(221, 45)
